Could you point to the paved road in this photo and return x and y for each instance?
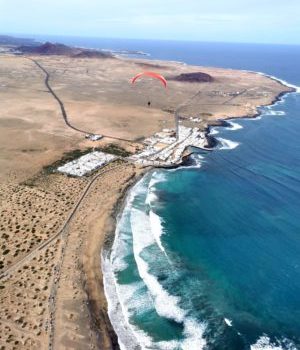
(43, 245)
(62, 107)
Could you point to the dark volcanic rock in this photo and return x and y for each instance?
(219, 122)
(62, 50)
(93, 54)
(196, 77)
(151, 65)
(211, 141)
(49, 49)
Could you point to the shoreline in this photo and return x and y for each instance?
(81, 313)
(110, 235)
(224, 121)
(98, 310)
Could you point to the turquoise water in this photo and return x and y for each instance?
(208, 256)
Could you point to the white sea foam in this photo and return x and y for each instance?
(128, 336)
(151, 197)
(197, 163)
(166, 305)
(198, 159)
(120, 306)
(227, 144)
(156, 229)
(254, 118)
(273, 112)
(264, 343)
(123, 301)
(122, 242)
(228, 322)
(121, 248)
(193, 332)
(213, 131)
(199, 156)
(156, 178)
(126, 300)
(284, 82)
(235, 126)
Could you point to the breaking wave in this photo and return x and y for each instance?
(144, 231)
(227, 144)
(166, 305)
(235, 126)
(213, 131)
(284, 82)
(273, 112)
(265, 343)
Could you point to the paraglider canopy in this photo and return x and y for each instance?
(151, 75)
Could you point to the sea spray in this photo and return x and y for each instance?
(265, 343)
(227, 144)
(130, 299)
(166, 304)
(234, 126)
(116, 312)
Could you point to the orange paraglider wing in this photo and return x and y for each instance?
(152, 75)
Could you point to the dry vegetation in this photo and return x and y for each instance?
(24, 298)
(98, 98)
(30, 213)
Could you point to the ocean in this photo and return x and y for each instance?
(208, 256)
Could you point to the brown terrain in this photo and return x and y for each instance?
(53, 227)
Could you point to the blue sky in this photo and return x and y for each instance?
(265, 21)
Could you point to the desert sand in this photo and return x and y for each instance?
(53, 227)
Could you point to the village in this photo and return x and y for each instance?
(163, 149)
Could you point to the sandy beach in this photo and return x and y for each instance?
(53, 226)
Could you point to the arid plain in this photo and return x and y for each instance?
(53, 227)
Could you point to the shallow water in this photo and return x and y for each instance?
(209, 257)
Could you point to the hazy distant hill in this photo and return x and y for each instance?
(49, 49)
(10, 40)
(63, 50)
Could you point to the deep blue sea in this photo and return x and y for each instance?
(208, 257)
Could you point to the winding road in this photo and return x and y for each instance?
(62, 107)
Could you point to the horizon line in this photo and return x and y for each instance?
(29, 36)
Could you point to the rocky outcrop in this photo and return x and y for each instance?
(195, 77)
